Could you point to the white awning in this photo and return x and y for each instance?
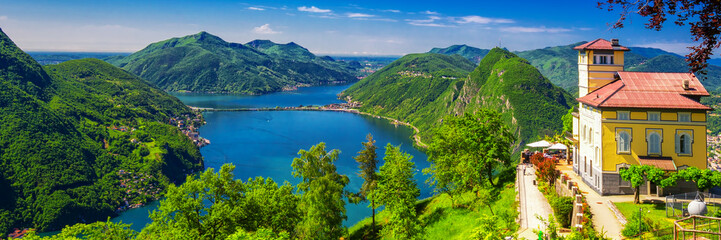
(558, 146)
(541, 144)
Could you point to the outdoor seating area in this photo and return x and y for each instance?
(554, 151)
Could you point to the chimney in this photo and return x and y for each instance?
(614, 42)
(686, 84)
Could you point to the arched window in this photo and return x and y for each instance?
(654, 143)
(683, 143)
(590, 135)
(623, 141)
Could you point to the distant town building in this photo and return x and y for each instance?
(631, 118)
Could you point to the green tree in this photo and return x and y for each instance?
(322, 193)
(97, 230)
(639, 174)
(703, 178)
(568, 120)
(204, 208)
(216, 205)
(397, 191)
(467, 149)
(368, 164)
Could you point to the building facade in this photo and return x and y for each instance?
(632, 118)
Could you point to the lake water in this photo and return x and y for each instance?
(265, 143)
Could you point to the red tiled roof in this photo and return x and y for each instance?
(664, 163)
(648, 90)
(600, 44)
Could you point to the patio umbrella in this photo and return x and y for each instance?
(541, 144)
(558, 146)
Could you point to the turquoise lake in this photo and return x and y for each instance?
(265, 143)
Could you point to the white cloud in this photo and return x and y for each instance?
(483, 20)
(534, 30)
(430, 12)
(391, 10)
(430, 22)
(265, 29)
(359, 15)
(313, 9)
(3, 18)
(256, 8)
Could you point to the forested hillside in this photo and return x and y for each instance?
(560, 64)
(69, 130)
(423, 88)
(206, 63)
(471, 53)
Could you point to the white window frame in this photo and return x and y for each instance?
(688, 142)
(623, 144)
(650, 144)
(656, 114)
(627, 115)
(684, 115)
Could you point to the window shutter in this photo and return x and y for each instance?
(678, 144)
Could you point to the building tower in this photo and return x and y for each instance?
(598, 62)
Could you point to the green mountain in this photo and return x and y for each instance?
(471, 53)
(559, 64)
(206, 63)
(423, 88)
(294, 52)
(60, 152)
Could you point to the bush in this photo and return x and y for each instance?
(633, 225)
(562, 208)
(545, 168)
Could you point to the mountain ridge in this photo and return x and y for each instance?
(558, 63)
(407, 91)
(60, 152)
(203, 62)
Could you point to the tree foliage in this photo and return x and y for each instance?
(215, 206)
(702, 16)
(368, 164)
(397, 191)
(468, 149)
(704, 179)
(640, 174)
(321, 186)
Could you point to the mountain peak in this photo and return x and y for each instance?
(205, 37)
(20, 69)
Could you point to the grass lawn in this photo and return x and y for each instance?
(442, 221)
(655, 211)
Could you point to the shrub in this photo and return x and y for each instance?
(562, 209)
(634, 224)
(545, 168)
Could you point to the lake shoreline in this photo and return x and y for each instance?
(331, 107)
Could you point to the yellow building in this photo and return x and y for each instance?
(628, 118)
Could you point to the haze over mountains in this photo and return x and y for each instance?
(559, 63)
(206, 63)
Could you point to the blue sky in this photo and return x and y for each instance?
(372, 27)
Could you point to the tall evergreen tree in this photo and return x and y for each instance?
(322, 193)
(368, 164)
(397, 191)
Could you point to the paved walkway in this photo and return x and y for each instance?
(604, 220)
(532, 203)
